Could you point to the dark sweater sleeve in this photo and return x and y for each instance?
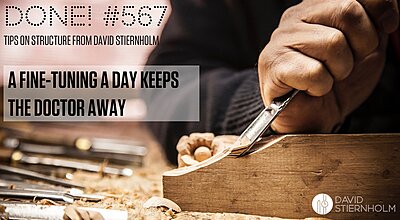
(206, 33)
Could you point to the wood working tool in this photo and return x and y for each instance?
(262, 122)
(31, 188)
(96, 149)
(19, 210)
(20, 157)
(35, 194)
(37, 176)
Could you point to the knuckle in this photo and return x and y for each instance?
(316, 74)
(340, 52)
(289, 13)
(263, 57)
(351, 11)
(283, 71)
(269, 58)
(346, 69)
(328, 85)
(319, 81)
(263, 63)
(321, 88)
(276, 34)
(337, 40)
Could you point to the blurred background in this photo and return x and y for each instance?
(118, 145)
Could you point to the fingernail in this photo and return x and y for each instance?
(389, 21)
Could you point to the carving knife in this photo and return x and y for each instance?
(97, 149)
(37, 176)
(31, 188)
(262, 123)
(104, 145)
(18, 156)
(36, 194)
(20, 210)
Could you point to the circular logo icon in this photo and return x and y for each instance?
(322, 204)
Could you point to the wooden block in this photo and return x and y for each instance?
(282, 177)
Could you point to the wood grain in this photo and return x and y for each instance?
(281, 179)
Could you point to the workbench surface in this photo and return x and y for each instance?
(127, 193)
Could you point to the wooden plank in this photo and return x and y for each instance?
(284, 175)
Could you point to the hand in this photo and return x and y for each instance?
(331, 50)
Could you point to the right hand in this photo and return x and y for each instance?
(334, 51)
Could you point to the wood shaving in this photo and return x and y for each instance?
(84, 214)
(188, 160)
(101, 168)
(228, 139)
(47, 202)
(218, 146)
(221, 142)
(202, 153)
(183, 145)
(71, 213)
(74, 213)
(156, 201)
(200, 139)
(198, 147)
(170, 213)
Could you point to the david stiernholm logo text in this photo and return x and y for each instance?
(323, 204)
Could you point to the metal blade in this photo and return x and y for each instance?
(262, 122)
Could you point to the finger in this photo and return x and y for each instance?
(374, 63)
(384, 13)
(325, 44)
(308, 114)
(293, 69)
(349, 17)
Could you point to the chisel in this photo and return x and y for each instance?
(262, 122)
